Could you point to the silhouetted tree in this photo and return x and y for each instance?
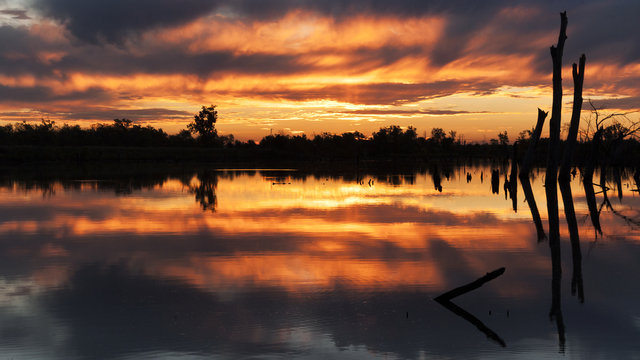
(204, 124)
(392, 140)
(122, 123)
(503, 138)
(524, 135)
(438, 135)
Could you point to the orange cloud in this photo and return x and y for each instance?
(301, 32)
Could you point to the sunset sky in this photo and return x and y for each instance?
(307, 66)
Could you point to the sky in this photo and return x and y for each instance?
(308, 67)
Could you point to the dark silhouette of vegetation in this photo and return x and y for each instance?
(204, 125)
(124, 140)
(503, 139)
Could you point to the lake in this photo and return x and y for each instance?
(193, 263)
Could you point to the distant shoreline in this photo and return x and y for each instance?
(259, 156)
(237, 155)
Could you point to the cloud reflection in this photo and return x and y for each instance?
(315, 263)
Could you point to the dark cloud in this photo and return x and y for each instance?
(606, 31)
(89, 111)
(135, 114)
(110, 62)
(177, 60)
(16, 14)
(377, 93)
(113, 21)
(631, 103)
(210, 63)
(602, 30)
(17, 55)
(40, 94)
(342, 8)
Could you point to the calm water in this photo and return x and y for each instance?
(280, 264)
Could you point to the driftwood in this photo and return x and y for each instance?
(445, 300)
(470, 286)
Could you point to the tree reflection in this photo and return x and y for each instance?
(533, 207)
(513, 179)
(576, 253)
(555, 313)
(437, 179)
(205, 190)
(590, 196)
(495, 181)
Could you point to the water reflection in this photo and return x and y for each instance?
(298, 264)
(533, 206)
(513, 179)
(555, 313)
(205, 190)
(495, 181)
(594, 212)
(574, 236)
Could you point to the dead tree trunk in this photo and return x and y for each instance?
(556, 107)
(578, 81)
(525, 168)
(551, 178)
(533, 144)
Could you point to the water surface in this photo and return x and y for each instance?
(272, 263)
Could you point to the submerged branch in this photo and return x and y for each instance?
(470, 286)
(445, 300)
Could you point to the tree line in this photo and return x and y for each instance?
(616, 139)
